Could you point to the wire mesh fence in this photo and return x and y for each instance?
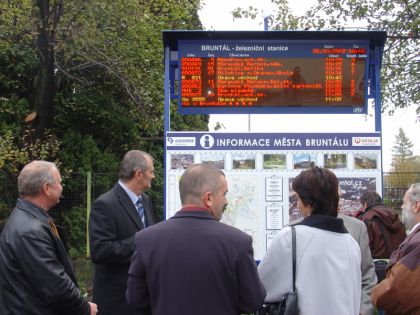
(71, 212)
(81, 188)
(395, 185)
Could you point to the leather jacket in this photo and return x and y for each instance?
(36, 274)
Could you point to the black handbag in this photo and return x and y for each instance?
(289, 302)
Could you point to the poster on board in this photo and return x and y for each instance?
(260, 168)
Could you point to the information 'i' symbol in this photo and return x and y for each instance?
(207, 141)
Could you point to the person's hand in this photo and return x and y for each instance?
(93, 308)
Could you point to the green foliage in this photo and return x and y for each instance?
(188, 122)
(404, 174)
(100, 116)
(400, 72)
(247, 13)
(80, 153)
(14, 21)
(403, 147)
(158, 183)
(404, 162)
(108, 92)
(400, 19)
(16, 151)
(219, 126)
(75, 226)
(17, 67)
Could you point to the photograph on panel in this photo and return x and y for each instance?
(335, 161)
(215, 159)
(274, 161)
(351, 189)
(363, 161)
(181, 161)
(303, 161)
(243, 161)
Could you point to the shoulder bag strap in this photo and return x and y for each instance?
(294, 255)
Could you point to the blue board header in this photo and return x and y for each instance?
(274, 48)
(272, 141)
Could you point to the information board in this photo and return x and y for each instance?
(218, 76)
(260, 168)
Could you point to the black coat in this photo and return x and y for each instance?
(36, 275)
(113, 222)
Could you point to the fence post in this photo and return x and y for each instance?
(88, 204)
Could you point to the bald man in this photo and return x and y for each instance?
(192, 263)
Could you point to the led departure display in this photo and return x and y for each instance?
(237, 74)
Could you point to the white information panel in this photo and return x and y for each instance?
(260, 168)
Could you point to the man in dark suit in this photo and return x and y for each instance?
(192, 263)
(115, 217)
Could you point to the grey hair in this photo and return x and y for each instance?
(33, 176)
(197, 180)
(414, 192)
(133, 161)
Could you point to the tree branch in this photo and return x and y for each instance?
(134, 97)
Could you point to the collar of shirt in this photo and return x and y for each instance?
(130, 193)
(414, 227)
(194, 208)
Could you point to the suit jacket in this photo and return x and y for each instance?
(358, 230)
(113, 222)
(36, 274)
(193, 264)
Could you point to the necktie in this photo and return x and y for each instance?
(53, 228)
(140, 210)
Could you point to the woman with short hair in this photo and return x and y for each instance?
(328, 275)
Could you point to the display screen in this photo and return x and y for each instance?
(272, 74)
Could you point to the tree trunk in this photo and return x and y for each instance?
(45, 20)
